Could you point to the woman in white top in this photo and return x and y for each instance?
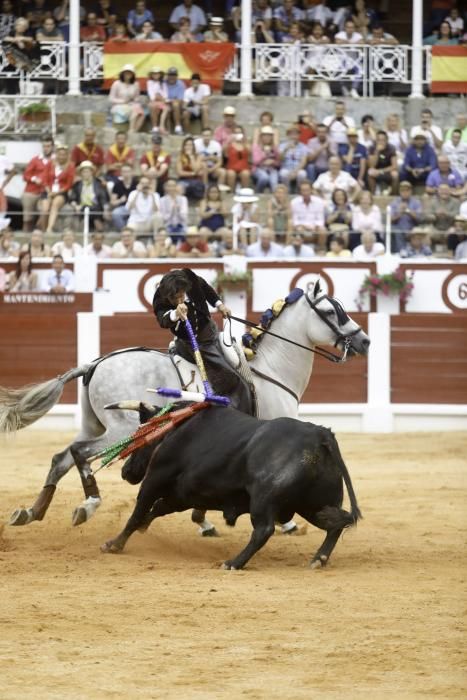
(366, 216)
(125, 98)
(67, 247)
(23, 279)
(156, 87)
(397, 136)
(367, 133)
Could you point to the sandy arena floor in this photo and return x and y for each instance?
(384, 620)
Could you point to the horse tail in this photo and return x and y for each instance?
(21, 407)
(333, 448)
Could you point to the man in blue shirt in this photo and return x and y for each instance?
(294, 156)
(194, 13)
(353, 156)
(175, 94)
(406, 212)
(137, 17)
(419, 161)
(445, 175)
(59, 280)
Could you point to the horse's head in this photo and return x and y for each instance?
(335, 327)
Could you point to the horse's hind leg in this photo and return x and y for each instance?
(61, 464)
(82, 452)
(206, 528)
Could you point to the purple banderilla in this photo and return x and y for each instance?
(208, 392)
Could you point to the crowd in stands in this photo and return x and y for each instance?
(319, 189)
(278, 21)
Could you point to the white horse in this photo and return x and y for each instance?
(281, 374)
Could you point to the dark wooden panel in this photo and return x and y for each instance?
(36, 346)
(128, 330)
(428, 360)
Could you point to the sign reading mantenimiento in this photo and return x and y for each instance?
(31, 298)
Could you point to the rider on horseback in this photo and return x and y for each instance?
(181, 294)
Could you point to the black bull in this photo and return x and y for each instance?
(221, 459)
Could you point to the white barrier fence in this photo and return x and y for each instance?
(297, 66)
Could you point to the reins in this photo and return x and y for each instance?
(327, 354)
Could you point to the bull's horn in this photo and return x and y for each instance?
(130, 405)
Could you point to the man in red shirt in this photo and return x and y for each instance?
(155, 163)
(195, 245)
(117, 155)
(92, 31)
(36, 176)
(88, 149)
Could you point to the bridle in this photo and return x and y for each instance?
(346, 338)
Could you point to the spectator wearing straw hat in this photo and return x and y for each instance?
(195, 245)
(224, 133)
(266, 161)
(89, 192)
(215, 33)
(417, 246)
(125, 99)
(245, 214)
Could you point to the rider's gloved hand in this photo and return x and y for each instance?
(225, 311)
(181, 312)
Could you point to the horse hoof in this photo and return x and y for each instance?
(21, 516)
(212, 532)
(79, 516)
(110, 548)
(227, 566)
(319, 563)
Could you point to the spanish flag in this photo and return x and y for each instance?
(449, 69)
(209, 59)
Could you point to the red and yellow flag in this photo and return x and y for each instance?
(449, 69)
(210, 60)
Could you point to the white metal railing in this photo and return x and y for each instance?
(27, 114)
(296, 65)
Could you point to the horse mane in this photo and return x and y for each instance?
(251, 339)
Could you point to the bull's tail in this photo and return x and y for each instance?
(331, 444)
(21, 407)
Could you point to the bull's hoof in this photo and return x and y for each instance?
(227, 566)
(79, 516)
(111, 547)
(21, 516)
(319, 563)
(211, 532)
